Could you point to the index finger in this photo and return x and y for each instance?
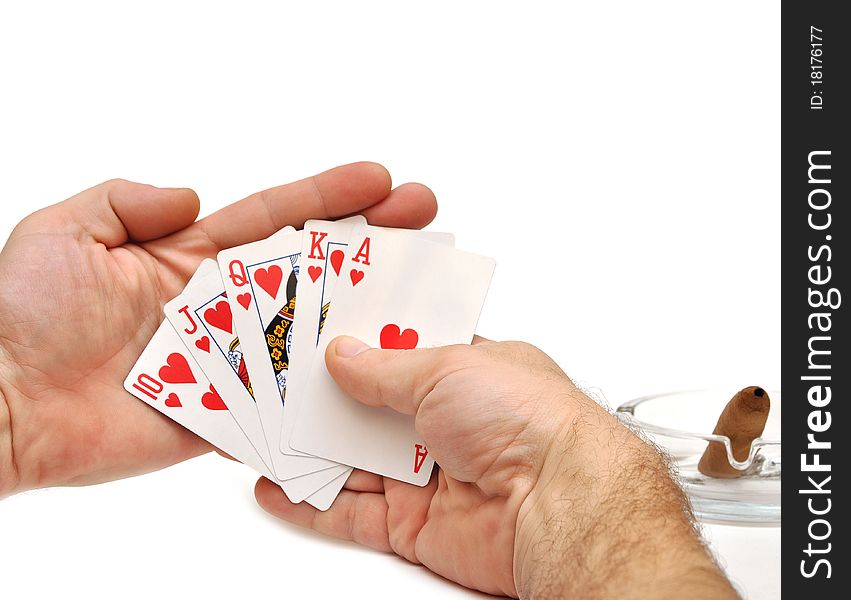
(342, 191)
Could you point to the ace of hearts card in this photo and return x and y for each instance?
(395, 291)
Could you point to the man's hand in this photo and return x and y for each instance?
(84, 282)
(540, 492)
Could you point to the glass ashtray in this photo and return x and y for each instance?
(681, 424)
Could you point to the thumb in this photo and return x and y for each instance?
(118, 211)
(399, 379)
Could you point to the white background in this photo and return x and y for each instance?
(620, 161)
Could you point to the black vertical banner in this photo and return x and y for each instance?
(816, 421)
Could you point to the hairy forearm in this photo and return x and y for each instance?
(607, 521)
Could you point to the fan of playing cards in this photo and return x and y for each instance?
(239, 359)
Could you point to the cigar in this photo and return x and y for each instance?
(742, 420)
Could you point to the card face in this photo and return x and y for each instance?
(202, 317)
(323, 251)
(260, 280)
(395, 291)
(167, 378)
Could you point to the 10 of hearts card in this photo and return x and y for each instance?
(239, 358)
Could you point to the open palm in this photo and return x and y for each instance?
(84, 282)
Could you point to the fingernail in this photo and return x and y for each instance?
(347, 347)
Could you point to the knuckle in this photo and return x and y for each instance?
(449, 360)
(525, 348)
(114, 185)
(494, 351)
(456, 355)
(44, 220)
(32, 220)
(381, 391)
(520, 354)
(351, 519)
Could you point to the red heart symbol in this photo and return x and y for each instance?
(173, 401)
(337, 260)
(393, 338)
(356, 276)
(212, 400)
(176, 370)
(314, 272)
(220, 317)
(203, 344)
(269, 279)
(244, 300)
